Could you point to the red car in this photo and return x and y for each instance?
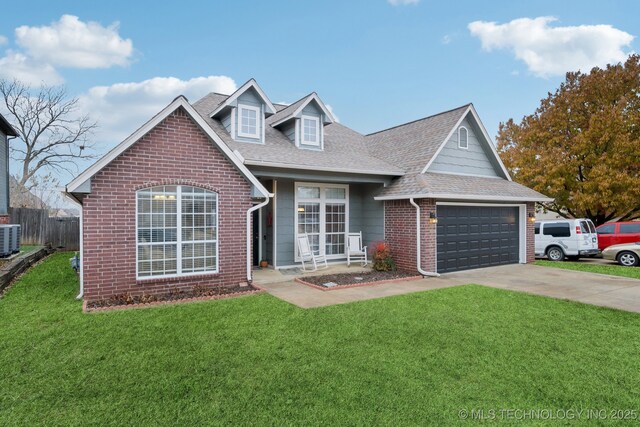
(614, 233)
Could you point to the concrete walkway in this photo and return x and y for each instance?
(590, 288)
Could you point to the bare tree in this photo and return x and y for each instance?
(53, 133)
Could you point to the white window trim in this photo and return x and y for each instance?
(323, 201)
(179, 239)
(258, 121)
(303, 140)
(460, 140)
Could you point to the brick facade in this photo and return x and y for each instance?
(531, 243)
(400, 233)
(175, 152)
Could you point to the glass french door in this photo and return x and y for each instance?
(322, 213)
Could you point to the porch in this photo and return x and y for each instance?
(325, 207)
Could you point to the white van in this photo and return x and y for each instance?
(566, 238)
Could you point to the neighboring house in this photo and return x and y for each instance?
(203, 191)
(6, 130)
(22, 197)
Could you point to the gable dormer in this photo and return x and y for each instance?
(303, 122)
(244, 112)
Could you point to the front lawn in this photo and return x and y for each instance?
(412, 359)
(610, 269)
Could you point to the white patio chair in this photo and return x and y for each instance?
(308, 255)
(355, 250)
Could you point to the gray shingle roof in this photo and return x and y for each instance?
(288, 110)
(401, 151)
(447, 186)
(345, 150)
(413, 144)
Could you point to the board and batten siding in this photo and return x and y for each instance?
(4, 173)
(365, 214)
(472, 161)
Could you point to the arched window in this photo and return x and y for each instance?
(463, 137)
(177, 231)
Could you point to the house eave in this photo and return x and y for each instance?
(465, 197)
(321, 168)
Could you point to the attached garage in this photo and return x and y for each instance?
(478, 236)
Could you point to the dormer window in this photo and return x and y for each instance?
(310, 130)
(249, 123)
(463, 137)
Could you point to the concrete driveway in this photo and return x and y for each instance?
(590, 288)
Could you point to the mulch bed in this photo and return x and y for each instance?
(179, 296)
(329, 282)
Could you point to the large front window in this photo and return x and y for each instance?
(322, 213)
(249, 122)
(177, 231)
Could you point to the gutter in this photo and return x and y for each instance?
(420, 270)
(249, 212)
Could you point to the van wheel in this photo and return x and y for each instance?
(628, 259)
(554, 253)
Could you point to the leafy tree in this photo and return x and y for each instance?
(52, 134)
(582, 145)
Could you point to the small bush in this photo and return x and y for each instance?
(381, 256)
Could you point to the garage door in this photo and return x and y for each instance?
(476, 236)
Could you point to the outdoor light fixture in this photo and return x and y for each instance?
(433, 219)
(532, 217)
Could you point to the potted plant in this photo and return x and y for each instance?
(264, 263)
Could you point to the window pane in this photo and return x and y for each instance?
(335, 193)
(159, 225)
(607, 229)
(308, 192)
(335, 225)
(310, 130)
(557, 230)
(464, 137)
(629, 228)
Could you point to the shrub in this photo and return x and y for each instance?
(381, 256)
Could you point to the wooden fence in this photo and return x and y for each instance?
(39, 229)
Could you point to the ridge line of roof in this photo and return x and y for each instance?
(418, 120)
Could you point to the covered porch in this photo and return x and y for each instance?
(325, 206)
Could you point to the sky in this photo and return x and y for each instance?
(376, 63)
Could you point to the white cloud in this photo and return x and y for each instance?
(18, 66)
(446, 39)
(123, 107)
(402, 2)
(550, 50)
(3, 40)
(70, 42)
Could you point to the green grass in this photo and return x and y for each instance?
(413, 359)
(611, 269)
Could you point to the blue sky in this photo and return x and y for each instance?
(377, 64)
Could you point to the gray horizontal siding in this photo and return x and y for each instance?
(474, 161)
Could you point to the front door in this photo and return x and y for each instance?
(322, 212)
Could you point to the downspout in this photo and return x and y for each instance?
(418, 235)
(81, 294)
(249, 236)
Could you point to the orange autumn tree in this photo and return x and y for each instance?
(582, 145)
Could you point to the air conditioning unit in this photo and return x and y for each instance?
(6, 233)
(15, 238)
